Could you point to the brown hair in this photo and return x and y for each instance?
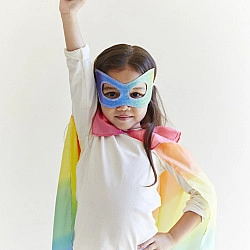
(117, 57)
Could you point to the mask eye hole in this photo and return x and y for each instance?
(110, 92)
(138, 91)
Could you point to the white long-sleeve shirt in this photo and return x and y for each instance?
(114, 205)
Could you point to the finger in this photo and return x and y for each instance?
(145, 244)
(151, 247)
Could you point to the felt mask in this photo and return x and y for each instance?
(124, 90)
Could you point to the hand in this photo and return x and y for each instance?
(70, 6)
(161, 241)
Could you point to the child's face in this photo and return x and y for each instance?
(124, 117)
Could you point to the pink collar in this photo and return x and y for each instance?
(102, 127)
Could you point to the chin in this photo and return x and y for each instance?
(123, 127)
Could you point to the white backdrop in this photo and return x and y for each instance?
(203, 56)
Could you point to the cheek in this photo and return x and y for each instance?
(142, 112)
(106, 111)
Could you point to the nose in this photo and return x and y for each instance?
(123, 108)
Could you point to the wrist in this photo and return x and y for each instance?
(68, 15)
(171, 238)
(69, 18)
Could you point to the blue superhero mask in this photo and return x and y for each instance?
(124, 90)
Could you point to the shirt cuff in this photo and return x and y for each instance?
(197, 204)
(80, 54)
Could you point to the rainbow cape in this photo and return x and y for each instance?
(173, 197)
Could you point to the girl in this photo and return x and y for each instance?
(124, 180)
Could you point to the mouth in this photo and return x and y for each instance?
(123, 117)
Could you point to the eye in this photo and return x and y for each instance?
(110, 92)
(112, 95)
(136, 95)
(138, 91)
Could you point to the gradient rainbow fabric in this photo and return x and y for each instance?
(173, 197)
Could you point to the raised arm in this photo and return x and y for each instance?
(72, 34)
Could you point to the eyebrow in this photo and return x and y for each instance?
(107, 88)
(139, 88)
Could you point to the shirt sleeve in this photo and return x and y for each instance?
(82, 88)
(196, 203)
